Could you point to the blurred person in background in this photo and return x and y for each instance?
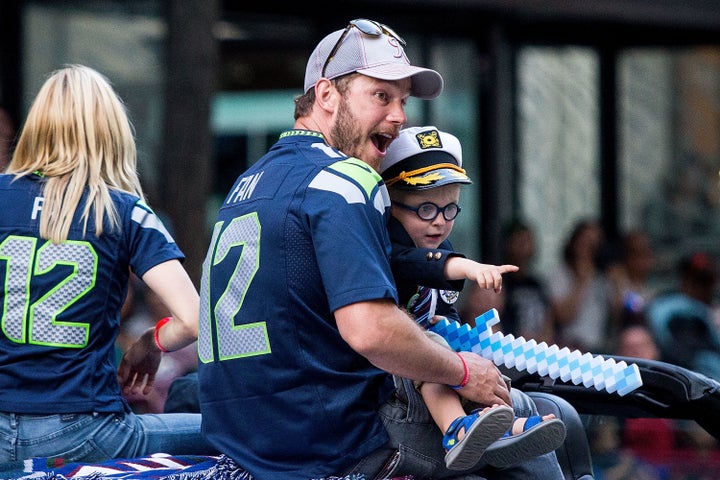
(580, 293)
(523, 303)
(650, 439)
(525, 306)
(683, 320)
(611, 461)
(630, 277)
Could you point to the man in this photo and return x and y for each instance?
(300, 328)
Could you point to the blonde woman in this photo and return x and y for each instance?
(73, 226)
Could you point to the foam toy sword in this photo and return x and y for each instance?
(528, 355)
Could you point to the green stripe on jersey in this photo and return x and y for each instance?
(359, 171)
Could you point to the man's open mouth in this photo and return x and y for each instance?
(381, 141)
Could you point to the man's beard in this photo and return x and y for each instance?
(345, 132)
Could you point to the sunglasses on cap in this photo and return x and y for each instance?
(368, 27)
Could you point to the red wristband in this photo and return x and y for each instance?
(158, 326)
(466, 377)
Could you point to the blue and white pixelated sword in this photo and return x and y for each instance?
(528, 355)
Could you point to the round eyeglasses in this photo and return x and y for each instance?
(429, 211)
(368, 27)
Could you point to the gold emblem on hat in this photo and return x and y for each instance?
(428, 179)
(429, 139)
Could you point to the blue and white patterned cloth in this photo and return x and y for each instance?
(153, 467)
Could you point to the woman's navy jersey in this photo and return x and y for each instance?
(301, 234)
(61, 302)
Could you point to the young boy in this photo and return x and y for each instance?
(423, 172)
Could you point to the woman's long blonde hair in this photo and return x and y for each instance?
(78, 136)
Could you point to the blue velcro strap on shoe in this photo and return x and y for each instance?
(450, 438)
(529, 423)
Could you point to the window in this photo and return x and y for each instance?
(558, 131)
(669, 150)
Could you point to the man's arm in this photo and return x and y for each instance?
(393, 342)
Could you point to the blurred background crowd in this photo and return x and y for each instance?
(602, 298)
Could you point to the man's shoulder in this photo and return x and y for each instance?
(327, 169)
(354, 180)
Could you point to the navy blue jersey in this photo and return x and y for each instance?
(301, 234)
(61, 302)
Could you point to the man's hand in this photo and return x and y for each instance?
(139, 364)
(485, 382)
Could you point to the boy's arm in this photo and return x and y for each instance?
(424, 266)
(486, 276)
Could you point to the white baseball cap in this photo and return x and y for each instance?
(422, 158)
(372, 49)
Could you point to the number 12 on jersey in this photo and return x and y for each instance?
(231, 264)
(35, 322)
